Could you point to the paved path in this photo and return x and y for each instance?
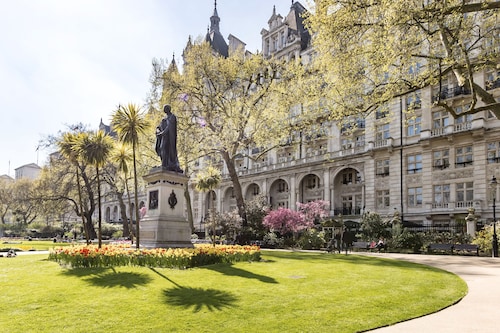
(478, 311)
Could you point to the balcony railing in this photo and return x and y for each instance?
(347, 211)
(463, 164)
(463, 126)
(438, 131)
(450, 93)
(464, 204)
(440, 205)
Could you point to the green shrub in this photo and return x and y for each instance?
(484, 239)
(311, 239)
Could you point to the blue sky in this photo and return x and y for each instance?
(68, 61)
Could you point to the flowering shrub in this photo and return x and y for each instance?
(123, 255)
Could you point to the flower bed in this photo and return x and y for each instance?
(123, 255)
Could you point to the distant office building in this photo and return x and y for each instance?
(28, 171)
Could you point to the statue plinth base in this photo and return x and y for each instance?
(165, 224)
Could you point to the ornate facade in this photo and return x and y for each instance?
(428, 166)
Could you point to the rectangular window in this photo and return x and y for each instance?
(414, 196)
(441, 159)
(346, 143)
(440, 119)
(464, 122)
(414, 163)
(351, 177)
(493, 152)
(360, 140)
(382, 112)
(383, 199)
(463, 156)
(413, 100)
(441, 195)
(465, 194)
(347, 205)
(382, 168)
(413, 126)
(382, 132)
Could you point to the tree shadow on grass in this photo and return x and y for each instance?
(197, 298)
(109, 277)
(230, 270)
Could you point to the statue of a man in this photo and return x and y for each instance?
(166, 141)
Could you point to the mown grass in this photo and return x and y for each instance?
(26, 245)
(286, 292)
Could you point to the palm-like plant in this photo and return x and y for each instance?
(67, 148)
(94, 149)
(122, 156)
(205, 182)
(130, 123)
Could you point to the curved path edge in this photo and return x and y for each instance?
(478, 311)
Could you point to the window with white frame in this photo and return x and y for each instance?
(463, 156)
(381, 112)
(465, 194)
(441, 195)
(493, 152)
(414, 100)
(382, 167)
(382, 132)
(282, 186)
(383, 198)
(312, 182)
(414, 163)
(350, 176)
(414, 196)
(440, 119)
(413, 125)
(441, 159)
(463, 122)
(346, 143)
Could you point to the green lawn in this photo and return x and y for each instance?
(286, 292)
(26, 245)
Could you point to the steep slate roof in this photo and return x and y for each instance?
(295, 21)
(214, 37)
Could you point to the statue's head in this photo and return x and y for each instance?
(166, 108)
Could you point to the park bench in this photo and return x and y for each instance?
(364, 246)
(440, 247)
(453, 247)
(467, 248)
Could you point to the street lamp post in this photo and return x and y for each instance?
(494, 242)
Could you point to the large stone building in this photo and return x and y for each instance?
(431, 167)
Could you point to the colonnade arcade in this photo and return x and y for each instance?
(343, 187)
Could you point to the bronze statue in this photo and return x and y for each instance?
(166, 141)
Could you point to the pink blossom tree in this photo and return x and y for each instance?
(285, 220)
(314, 210)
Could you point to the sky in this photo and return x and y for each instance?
(64, 62)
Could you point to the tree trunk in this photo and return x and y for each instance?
(123, 214)
(189, 208)
(137, 244)
(240, 201)
(130, 213)
(99, 209)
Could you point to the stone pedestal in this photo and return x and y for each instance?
(165, 224)
(471, 221)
